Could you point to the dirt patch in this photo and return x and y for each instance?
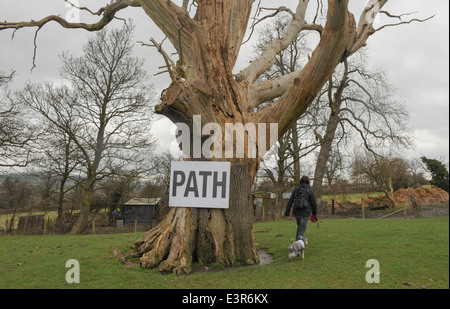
(264, 257)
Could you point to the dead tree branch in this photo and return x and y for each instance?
(170, 64)
(108, 13)
(401, 22)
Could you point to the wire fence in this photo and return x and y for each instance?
(433, 207)
(268, 209)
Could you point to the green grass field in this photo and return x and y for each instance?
(412, 254)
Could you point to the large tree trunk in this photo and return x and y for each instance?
(83, 217)
(324, 154)
(335, 102)
(205, 235)
(296, 154)
(61, 195)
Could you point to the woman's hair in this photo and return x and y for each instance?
(304, 179)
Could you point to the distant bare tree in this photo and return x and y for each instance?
(355, 104)
(282, 166)
(45, 191)
(118, 189)
(105, 113)
(417, 173)
(15, 132)
(159, 184)
(60, 155)
(335, 166)
(360, 108)
(387, 172)
(17, 194)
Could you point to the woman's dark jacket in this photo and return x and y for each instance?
(305, 212)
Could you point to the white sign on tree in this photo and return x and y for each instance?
(200, 184)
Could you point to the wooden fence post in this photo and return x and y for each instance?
(263, 212)
(415, 206)
(363, 209)
(45, 226)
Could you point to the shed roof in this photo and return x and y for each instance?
(151, 201)
(264, 194)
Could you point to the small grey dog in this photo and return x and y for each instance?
(297, 248)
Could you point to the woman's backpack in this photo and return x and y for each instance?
(301, 200)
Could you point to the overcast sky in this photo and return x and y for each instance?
(416, 57)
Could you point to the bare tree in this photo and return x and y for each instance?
(417, 173)
(208, 43)
(45, 191)
(118, 189)
(354, 100)
(59, 155)
(387, 172)
(105, 113)
(15, 132)
(295, 143)
(335, 166)
(17, 194)
(279, 174)
(159, 185)
(360, 105)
